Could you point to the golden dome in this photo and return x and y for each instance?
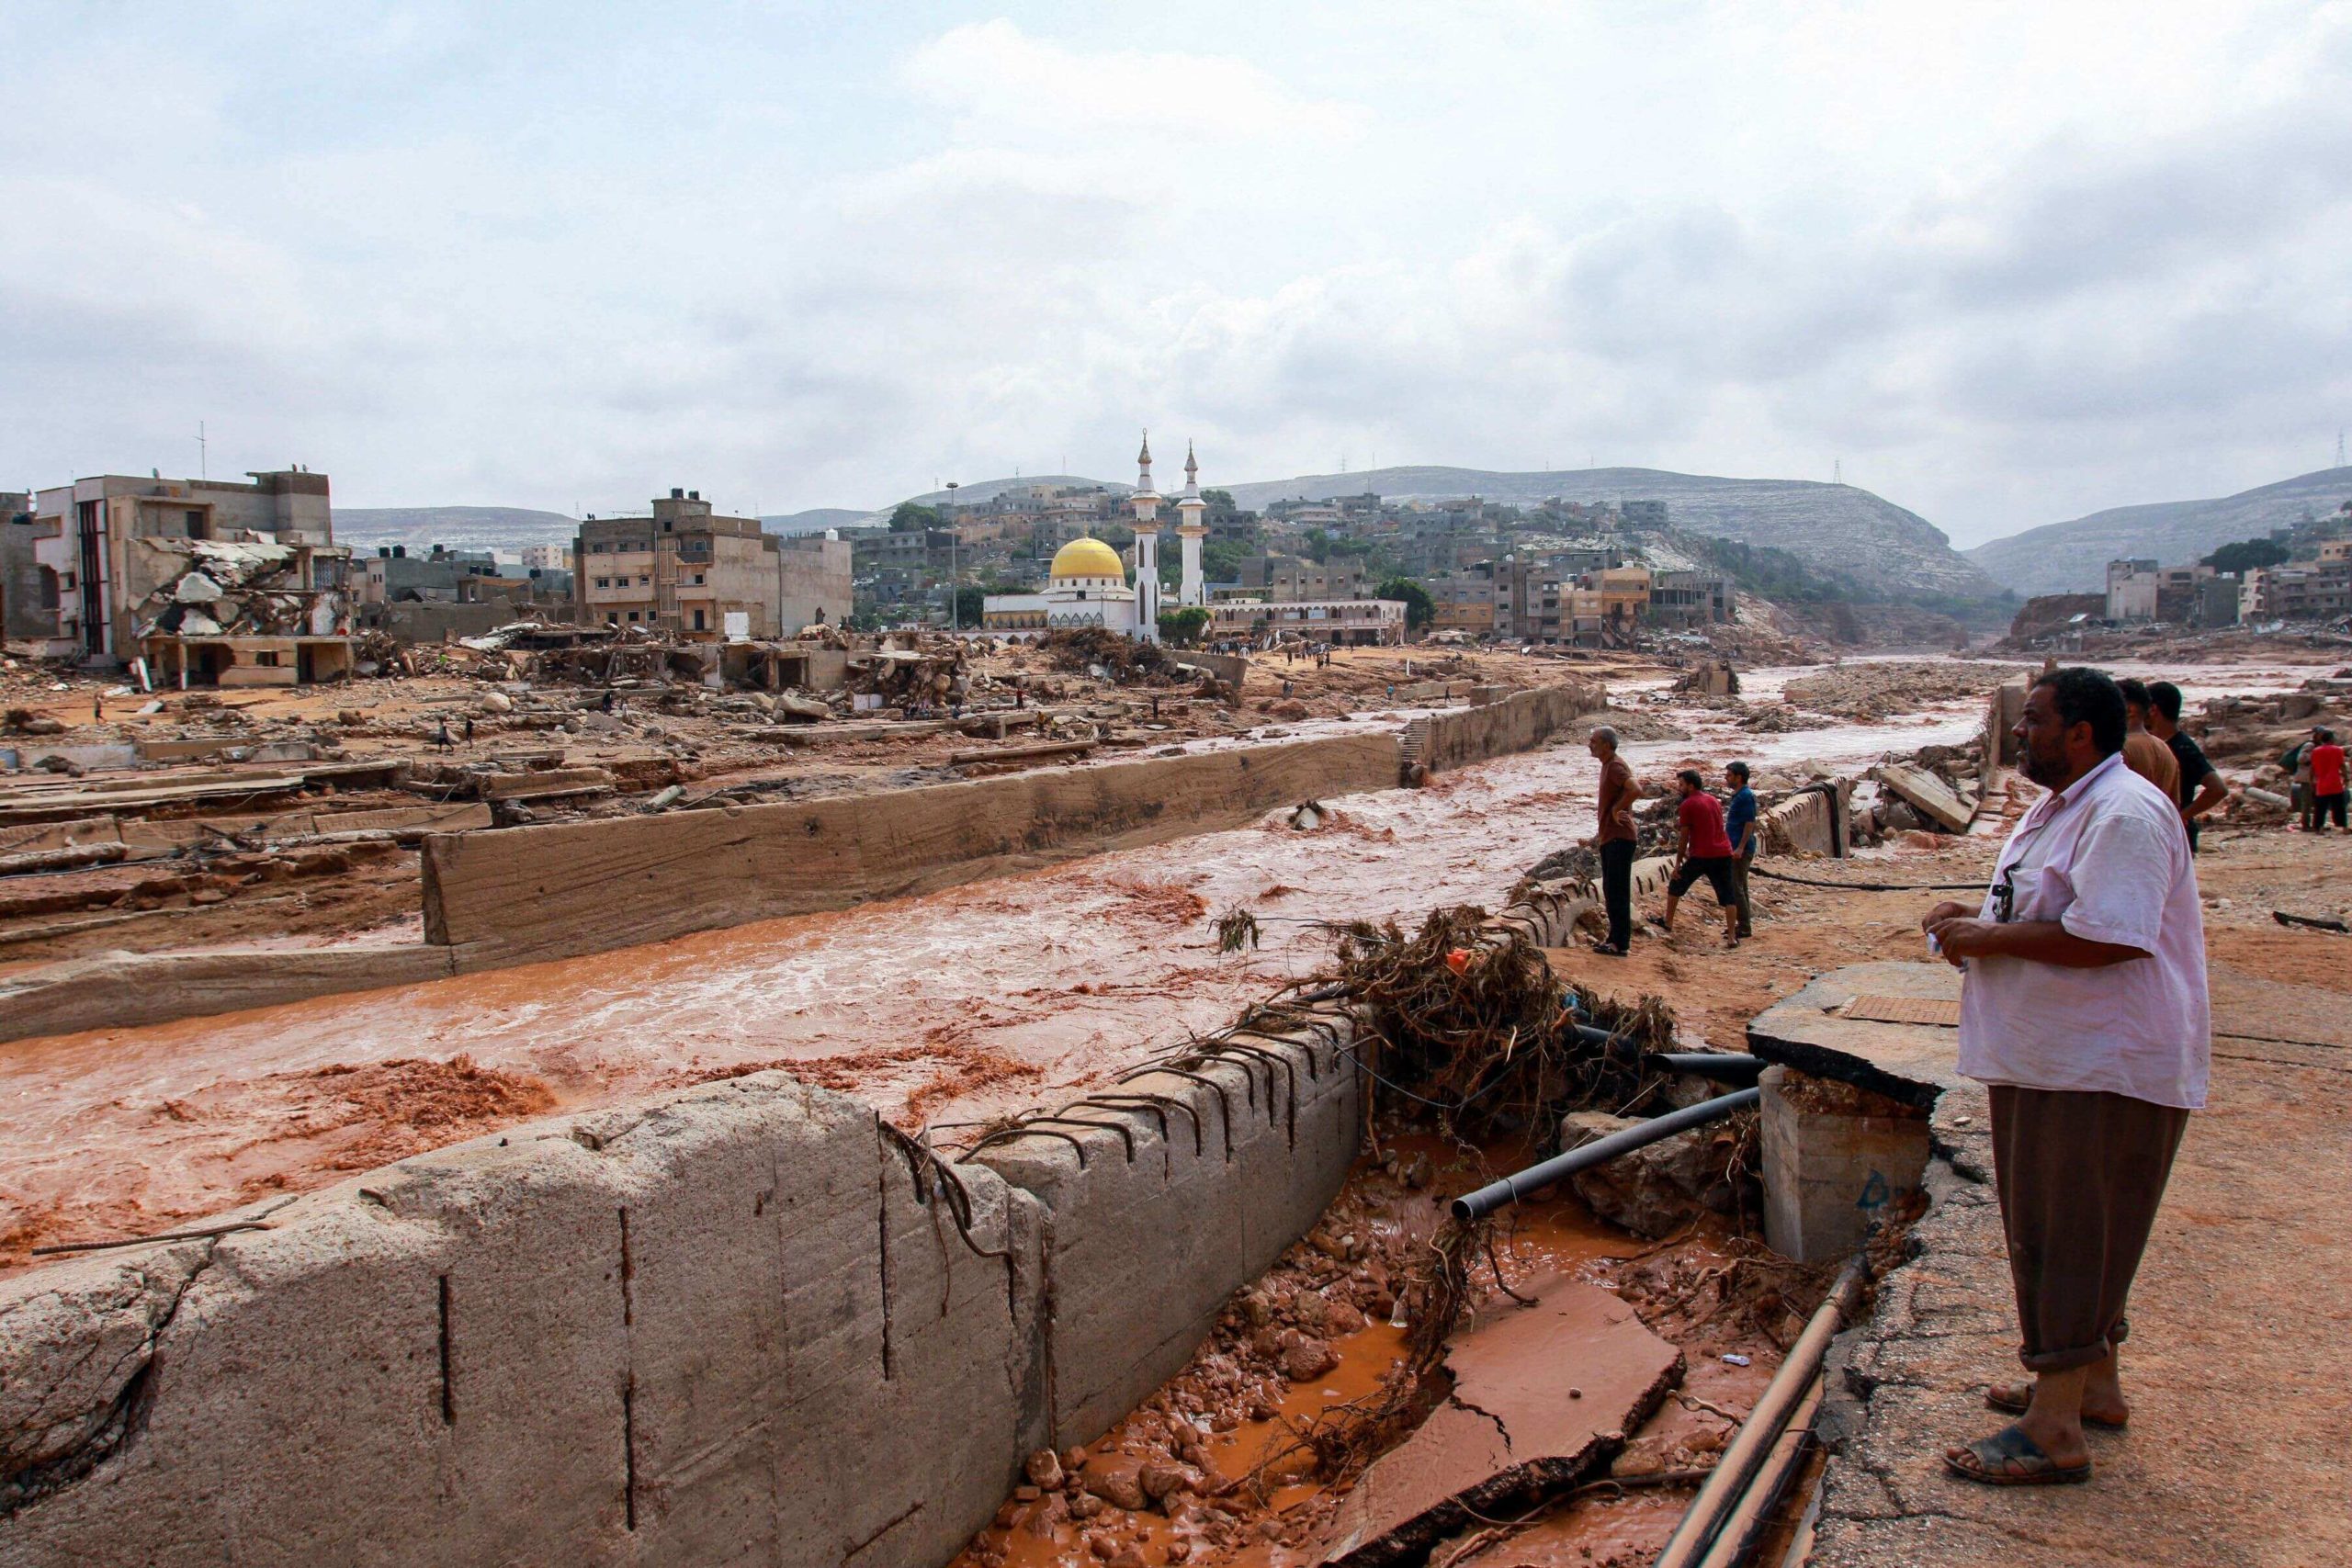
(1087, 558)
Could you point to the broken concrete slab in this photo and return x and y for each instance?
(1927, 794)
(1910, 1062)
(1542, 1396)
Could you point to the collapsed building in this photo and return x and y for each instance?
(208, 581)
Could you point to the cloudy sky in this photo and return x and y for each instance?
(2008, 263)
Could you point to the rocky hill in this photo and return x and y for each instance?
(460, 527)
(1840, 529)
(2072, 557)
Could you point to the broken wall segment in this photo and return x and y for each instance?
(741, 1322)
(1811, 822)
(1834, 1162)
(544, 891)
(1520, 722)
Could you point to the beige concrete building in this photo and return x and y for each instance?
(209, 580)
(705, 578)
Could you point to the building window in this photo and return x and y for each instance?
(604, 582)
(697, 579)
(267, 661)
(632, 615)
(643, 580)
(698, 620)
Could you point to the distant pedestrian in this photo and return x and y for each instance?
(2085, 1012)
(441, 736)
(2142, 752)
(1615, 841)
(2297, 761)
(469, 729)
(2201, 789)
(1741, 825)
(1701, 850)
(2327, 780)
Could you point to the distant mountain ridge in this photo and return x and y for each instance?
(515, 527)
(2072, 557)
(1841, 529)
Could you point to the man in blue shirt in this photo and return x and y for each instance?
(1740, 827)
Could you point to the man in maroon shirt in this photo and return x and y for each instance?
(1615, 840)
(1704, 850)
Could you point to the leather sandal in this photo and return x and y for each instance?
(2009, 1458)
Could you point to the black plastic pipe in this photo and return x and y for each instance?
(1511, 1188)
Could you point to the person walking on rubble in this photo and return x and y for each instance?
(2327, 780)
(2144, 753)
(1615, 840)
(1703, 849)
(2201, 788)
(2084, 1011)
(2297, 761)
(1741, 829)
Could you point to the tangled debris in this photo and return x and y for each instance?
(1109, 654)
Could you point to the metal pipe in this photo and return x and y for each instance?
(1511, 1188)
(1721, 1065)
(1740, 1532)
(1728, 1483)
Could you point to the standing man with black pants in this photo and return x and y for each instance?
(1615, 842)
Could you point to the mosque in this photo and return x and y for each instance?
(1087, 585)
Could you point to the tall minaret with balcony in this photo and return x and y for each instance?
(1146, 503)
(1192, 531)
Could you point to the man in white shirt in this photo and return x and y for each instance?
(2085, 1012)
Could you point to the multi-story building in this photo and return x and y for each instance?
(1464, 601)
(2309, 592)
(1342, 623)
(1683, 599)
(208, 580)
(2131, 589)
(1293, 578)
(547, 558)
(702, 577)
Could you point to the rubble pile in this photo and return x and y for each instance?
(917, 680)
(238, 588)
(1123, 660)
(1882, 690)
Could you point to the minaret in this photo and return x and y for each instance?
(1146, 501)
(1192, 531)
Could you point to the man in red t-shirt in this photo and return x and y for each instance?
(2327, 781)
(1704, 850)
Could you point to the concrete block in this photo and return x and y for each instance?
(1830, 1170)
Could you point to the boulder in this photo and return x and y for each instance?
(1659, 1188)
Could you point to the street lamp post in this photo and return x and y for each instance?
(954, 571)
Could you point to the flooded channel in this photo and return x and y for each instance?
(944, 1009)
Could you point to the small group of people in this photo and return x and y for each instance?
(2159, 750)
(1715, 840)
(2317, 765)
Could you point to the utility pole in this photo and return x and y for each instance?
(204, 456)
(2339, 449)
(1837, 470)
(955, 572)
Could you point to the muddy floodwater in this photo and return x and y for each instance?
(945, 1010)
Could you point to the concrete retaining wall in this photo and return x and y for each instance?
(1550, 914)
(1810, 823)
(733, 1324)
(1520, 722)
(533, 892)
(2002, 711)
(1143, 1244)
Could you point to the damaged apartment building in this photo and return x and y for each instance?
(704, 578)
(206, 582)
